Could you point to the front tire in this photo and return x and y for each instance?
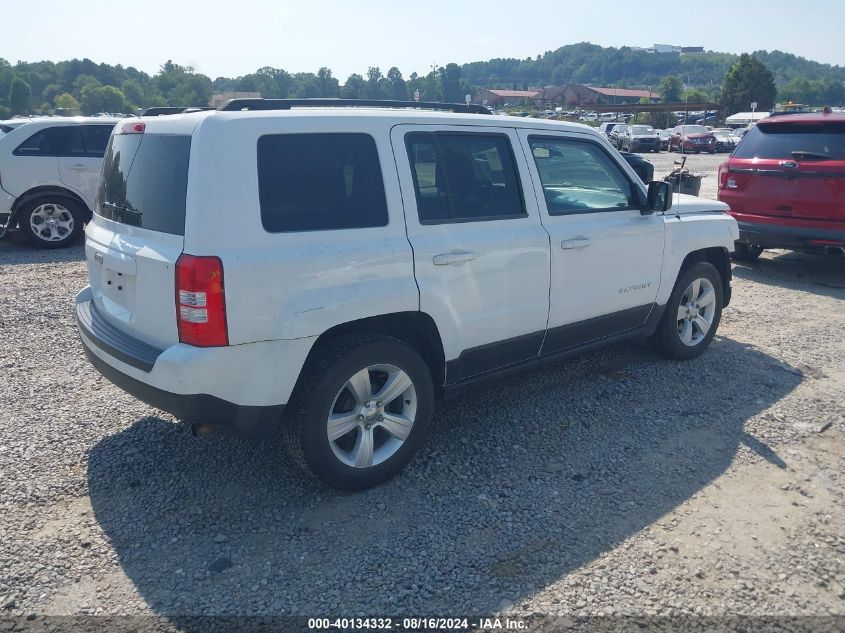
(692, 313)
(51, 221)
(360, 411)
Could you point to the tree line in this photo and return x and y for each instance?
(87, 87)
(83, 85)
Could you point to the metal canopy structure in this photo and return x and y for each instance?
(692, 106)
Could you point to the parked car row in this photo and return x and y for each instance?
(631, 138)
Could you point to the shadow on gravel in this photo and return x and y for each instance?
(519, 485)
(15, 249)
(819, 274)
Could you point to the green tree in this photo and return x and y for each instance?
(670, 88)
(96, 99)
(133, 91)
(354, 87)
(181, 86)
(453, 89)
(396, 86)
(66, 103)
(695, 94)
(82, 81)
(746, 81)
(327, 84)
(19, 95)
(375, 83)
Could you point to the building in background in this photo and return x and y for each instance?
(500, 97)
(578, 95)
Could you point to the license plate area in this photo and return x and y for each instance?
(112, 278)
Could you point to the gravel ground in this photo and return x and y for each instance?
(613, 483)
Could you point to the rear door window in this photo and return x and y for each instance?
(145, 181)
(320, 182)
(461, 177)
(95, 139)
(67, 140)
(51, 141)
(788, 140)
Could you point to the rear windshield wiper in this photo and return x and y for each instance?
(799, 155)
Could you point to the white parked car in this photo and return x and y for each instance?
(334, 270)
(49, 169)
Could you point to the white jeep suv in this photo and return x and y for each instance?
(49, 169)
(334, 269)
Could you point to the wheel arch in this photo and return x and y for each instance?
(417, 329)
(719, 257)
(49, 190)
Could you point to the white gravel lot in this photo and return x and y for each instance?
(613, 483)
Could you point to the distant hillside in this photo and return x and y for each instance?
(596, 65)
(83, 85)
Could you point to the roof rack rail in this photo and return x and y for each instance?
(233, 105)
(165, 110)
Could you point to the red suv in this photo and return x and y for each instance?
(785, 184)
(692, 138)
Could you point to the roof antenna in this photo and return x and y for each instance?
(680, 170)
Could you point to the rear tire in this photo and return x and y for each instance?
(746, 252)
(338, 429)
(51, 221)
(692, 313)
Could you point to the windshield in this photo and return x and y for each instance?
(695, 129)
(642, 129)
(781, 140)
(722, 133)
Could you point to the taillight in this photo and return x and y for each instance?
(200, 302)
(723, 175)
(132, 127)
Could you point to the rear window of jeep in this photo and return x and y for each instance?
(320, 182)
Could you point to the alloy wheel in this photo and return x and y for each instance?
(696, 312)
(372, 416)
(51, 222)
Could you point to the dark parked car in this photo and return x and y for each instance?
(607, 128)
(639, 138)
(785, 184)
(616, 135)
(692, 138)
(664, 138)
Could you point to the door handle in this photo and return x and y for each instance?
(78, 167)
(453, 257)
(576, 243)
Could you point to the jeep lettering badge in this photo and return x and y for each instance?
(623, 291)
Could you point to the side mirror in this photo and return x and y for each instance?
(659, 197)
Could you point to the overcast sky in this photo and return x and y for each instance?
(237, 37)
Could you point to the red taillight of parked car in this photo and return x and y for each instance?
(200, 302)
(723, 175)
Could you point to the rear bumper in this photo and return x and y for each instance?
(246, 421)
(791, 237)
(240, 388)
